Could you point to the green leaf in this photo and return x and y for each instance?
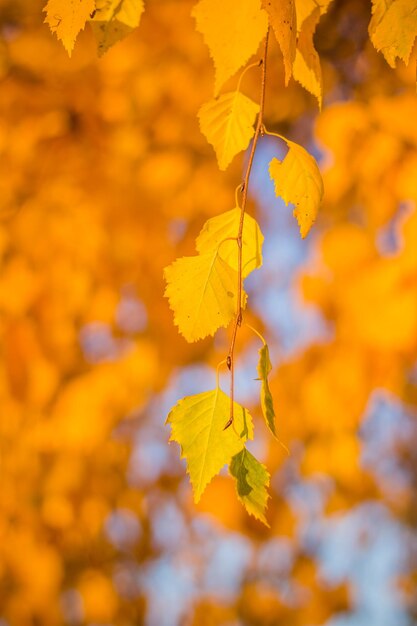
(267, 404)
(202, 292)
(225, 226)
(298, 181)
(252, 479)
(197, 424)
(227, 123)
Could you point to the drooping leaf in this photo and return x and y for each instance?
(307, 69)
(227, 123)
(233, 31)
(298, 181)
(218, 229)
(393, 28)
(66, 18)
(283, 19)
(202, 292)
(197, 424)
(252, 480)
(304, 8)
(114, 20)
(267, 404)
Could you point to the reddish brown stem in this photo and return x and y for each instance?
(245, 187)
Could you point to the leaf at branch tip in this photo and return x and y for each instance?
(202, 292)
(267, 404)
(283, 20)
(298, 181)
(227, 123)
(197, 424)
(393, 28)
(114, 20)
(307, 69)
(66, 18)
(232, 31)
(226, 225)
(252, 479)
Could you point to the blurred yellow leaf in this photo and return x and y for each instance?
(307, 70)
(393, 28)
(252, 479)
(298, 180)
(283, 19)
(232, 31)
(202, 292)
(227, 123)
(197, 424)
(67, 18)
(215, 235)
(114, 20)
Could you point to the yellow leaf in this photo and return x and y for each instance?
(114, 20)
(307, 70)
(202, 292)
(283, 19)
(197, 424)
(227, 123)
(252, 479)
(298, 180)
(264, 368)
(393, 28)
(218, 229)
(67, 18)
(232, 31)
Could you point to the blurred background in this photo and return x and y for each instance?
(105, 179)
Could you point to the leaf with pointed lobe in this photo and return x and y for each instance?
(393, 28)
(232, 31)
(66, 18)
(298, 181)
(197, 424)
(215, 235)
(252, 480)
(114, 20)
(202, 292)
(283, 19)
(227, 123)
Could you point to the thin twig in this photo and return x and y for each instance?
(259, 130)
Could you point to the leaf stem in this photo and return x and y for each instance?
(245, 187)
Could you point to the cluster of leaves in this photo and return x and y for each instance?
(206, 291)
(99, 159)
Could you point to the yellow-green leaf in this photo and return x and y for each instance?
(393, 28)
(307, 69)
(114, 20)
(232, 31)
(252, 480)
(197, 424)
(202, 292)
(227, 123)
(66, 18)
(267, 404)
(218, 229)
(298, 181)
(283, 20)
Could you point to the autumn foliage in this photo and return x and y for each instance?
(155, 286)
